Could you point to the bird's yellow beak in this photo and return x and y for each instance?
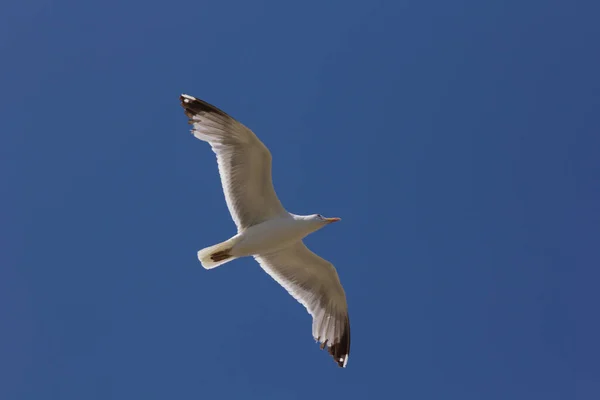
(330, 220)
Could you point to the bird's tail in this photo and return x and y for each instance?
(219, 254)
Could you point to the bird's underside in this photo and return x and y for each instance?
(245, 168)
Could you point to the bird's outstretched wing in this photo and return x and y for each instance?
(244, 163)
(314, 282)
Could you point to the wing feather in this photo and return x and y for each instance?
(314, 283)
(244, 163)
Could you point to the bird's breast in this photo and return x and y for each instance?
(269, 236)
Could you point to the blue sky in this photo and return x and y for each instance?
(458, 141)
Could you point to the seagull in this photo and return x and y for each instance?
(266, 231)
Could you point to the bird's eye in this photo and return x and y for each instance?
(319, 216)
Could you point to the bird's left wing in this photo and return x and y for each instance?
(314, 282)
(244, 163)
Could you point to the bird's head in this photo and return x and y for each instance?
(314, 222)
(323, 220)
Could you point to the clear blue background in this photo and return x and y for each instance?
(458, 140)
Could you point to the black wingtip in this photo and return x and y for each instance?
(340, 351)
(194, 106)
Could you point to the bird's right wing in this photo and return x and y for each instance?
(314, 282)
(244, 163)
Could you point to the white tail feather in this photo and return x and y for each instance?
(205, 254)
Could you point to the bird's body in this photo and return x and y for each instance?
(271, 235)
(268, 232)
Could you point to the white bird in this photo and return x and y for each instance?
(266, 231)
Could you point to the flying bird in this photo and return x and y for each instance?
(266, 231)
